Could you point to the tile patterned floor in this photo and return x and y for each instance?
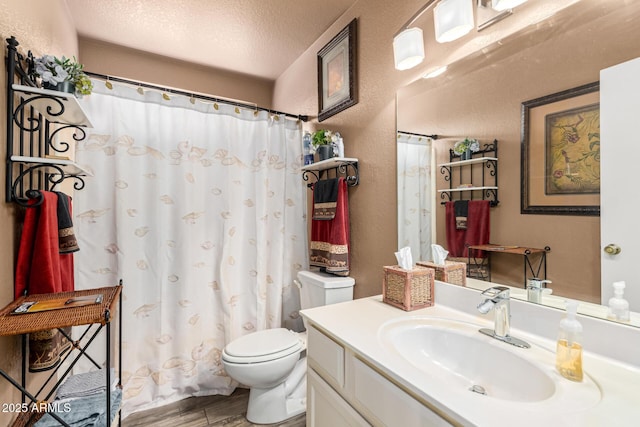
(228, 411)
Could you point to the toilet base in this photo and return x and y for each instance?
(274, 405)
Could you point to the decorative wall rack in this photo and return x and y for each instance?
(340, 167)
(475, 178)
(38, 122)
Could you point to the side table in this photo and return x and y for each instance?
(523, 251)
(94, 316)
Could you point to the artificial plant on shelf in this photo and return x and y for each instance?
(324, 137)
(327, 140)
(465, 147)
(53, 70)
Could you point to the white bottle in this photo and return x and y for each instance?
(339, 148)
(306, 149)
(618, 306)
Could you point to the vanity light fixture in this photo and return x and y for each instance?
(408, 43)
(435, 73)
(408, 48)
(501, 5)
(453, 19)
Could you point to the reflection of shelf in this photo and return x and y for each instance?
(466, 189)
(55, 106)
(462, 176)
(69, 167)
(469, 162)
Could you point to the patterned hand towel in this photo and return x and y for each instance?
(66, 237)
(325, 197)
(330, 239)
(461, 209)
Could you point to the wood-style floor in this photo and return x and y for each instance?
(228, 411)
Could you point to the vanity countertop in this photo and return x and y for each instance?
(356, 325)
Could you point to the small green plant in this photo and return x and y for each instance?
(323, 137)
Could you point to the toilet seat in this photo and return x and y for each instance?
(262, 346)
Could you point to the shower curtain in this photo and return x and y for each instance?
(415, 194)
(200, 209)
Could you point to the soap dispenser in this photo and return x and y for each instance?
(569, 349)
(618, 306)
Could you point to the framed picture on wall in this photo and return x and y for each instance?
(560, 153)
(337, 86)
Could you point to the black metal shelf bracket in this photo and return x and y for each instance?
(35, 129)
(345, 168)
(484, 182)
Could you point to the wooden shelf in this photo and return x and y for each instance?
(69, 167)
(51, 102)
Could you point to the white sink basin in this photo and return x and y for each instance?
(457, 355)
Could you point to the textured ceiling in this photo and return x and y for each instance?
(256, 37)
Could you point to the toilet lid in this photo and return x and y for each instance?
(264, 345)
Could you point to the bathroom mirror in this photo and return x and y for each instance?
(481, 96)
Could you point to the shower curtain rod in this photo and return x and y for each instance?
(304, 118)
(419, 134)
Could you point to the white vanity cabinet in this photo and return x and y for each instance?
(368, 367)
(344, 390)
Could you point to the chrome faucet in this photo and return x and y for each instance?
(498, 299)
(535, 288)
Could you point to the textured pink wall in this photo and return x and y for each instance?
(109, 59)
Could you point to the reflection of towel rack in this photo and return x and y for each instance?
(340, 167)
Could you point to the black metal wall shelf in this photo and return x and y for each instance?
(38, 121)
(483, 181)
(339, 165)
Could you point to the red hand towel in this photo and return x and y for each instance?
(476, 233)
(330, 238)
(40, 267)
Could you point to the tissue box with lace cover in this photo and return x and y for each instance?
(408, 289)
(451, 272)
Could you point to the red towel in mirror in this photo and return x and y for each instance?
(477, 231)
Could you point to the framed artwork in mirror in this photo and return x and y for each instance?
(337, 86)
(560, 153)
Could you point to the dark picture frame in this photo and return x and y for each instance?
(560, 153)
(337, 86)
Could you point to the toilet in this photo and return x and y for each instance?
(271, 362)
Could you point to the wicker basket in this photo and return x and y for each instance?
(451, 272)
(408, 289)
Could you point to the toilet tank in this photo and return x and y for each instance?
(319, 288)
